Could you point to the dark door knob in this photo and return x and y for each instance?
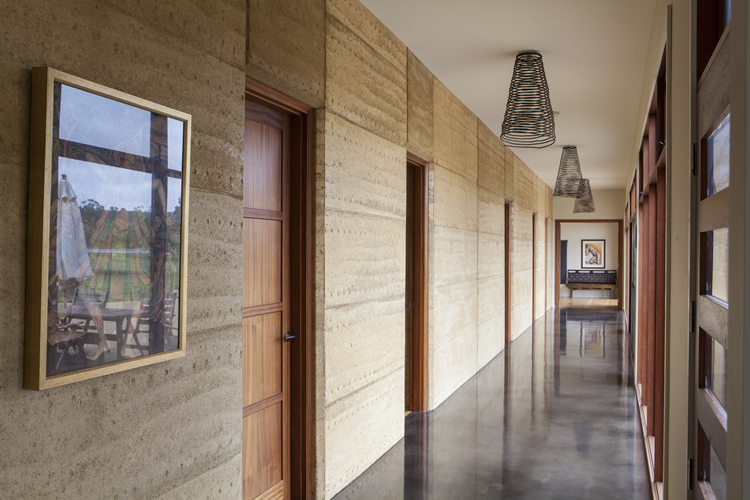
(288, 337)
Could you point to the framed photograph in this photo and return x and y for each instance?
(107, 232)
(592, 254)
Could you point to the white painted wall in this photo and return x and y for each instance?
(574, 233)
(609, 203)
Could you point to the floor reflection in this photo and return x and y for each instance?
(553, 416)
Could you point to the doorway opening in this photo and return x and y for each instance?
(416, 284)
(593, 263)
(277, 295)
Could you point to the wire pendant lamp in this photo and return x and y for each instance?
(529, 121)
(584, 200)
(569, 174)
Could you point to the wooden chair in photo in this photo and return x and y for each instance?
(87, 308)
(63, 343)
(69, 335)
(138, 323)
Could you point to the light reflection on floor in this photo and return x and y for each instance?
(553, 416)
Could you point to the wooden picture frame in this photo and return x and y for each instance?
(109, 188)
(593, 254)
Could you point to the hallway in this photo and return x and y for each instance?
(553, 416)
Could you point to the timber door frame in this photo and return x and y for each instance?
(420, 346)
(619, 253)
(300, 282)
(632, 275)
(546, 264)
(508, 237)
(533, 268)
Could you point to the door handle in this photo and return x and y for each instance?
(288, 337)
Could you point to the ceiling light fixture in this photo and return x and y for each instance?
(529, 120)
(584, 200)
(569, 174)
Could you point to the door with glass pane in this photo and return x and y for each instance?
(712, 301)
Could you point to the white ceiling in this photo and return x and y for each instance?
(594, 56)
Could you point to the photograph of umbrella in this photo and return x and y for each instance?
(72, 265)
(72, 251)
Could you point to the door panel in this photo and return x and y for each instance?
(262, 247)
(261, 357)
(712, 303)
(262, 431)
(262, 187)
(265, 312)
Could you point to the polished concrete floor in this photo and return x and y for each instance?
(553, 416)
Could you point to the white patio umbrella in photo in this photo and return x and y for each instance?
(72, 252)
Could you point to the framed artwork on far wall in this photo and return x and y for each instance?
(592, 254)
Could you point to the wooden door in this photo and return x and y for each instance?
(711, 274)
(265, 308)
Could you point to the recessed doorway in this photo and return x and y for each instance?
(415, 393)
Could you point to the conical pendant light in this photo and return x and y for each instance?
(569, 174)
(529, 121)
(584, 200)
